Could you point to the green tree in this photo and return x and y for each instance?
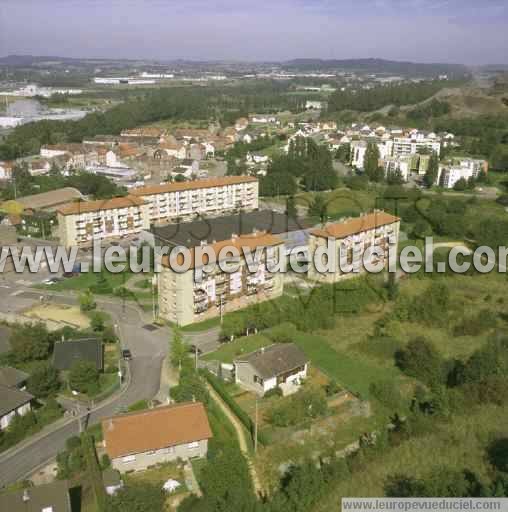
(319, 207)
(430, 177)
(43, 381)
(84, 377)
(419, 359)
(86, 301)
(30, 342)
(178, 349)
(291, 210)
(460, 185)
(97, 321)
(371, 163)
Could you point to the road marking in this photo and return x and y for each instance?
(17, 292)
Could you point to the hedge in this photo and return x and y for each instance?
(218, 386)
(94, 472)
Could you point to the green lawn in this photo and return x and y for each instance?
(229, 351)
(86, 280)
(353, 373)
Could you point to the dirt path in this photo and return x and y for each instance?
(242, 440)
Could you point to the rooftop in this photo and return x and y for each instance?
(192, 185)
(191, 234)
(275, 359)
(240, 243)
(52, 497)
(357, 225)
(11, 377)
(154, 429)
(53, 198)
(12, 398)
(103, 204)
(66, 353)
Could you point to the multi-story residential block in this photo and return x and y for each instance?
(214, 196)
(82, 222)
(207, 291)
(348, 241)
(460, 168)
(398, 164)
(412, 145)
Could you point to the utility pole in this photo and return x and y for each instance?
(221, 308)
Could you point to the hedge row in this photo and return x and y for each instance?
(94, 472)
(219, 387)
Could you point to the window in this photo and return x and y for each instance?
(258, 380)
(193, 446)
(128, 458)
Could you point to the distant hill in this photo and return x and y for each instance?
(379, 66)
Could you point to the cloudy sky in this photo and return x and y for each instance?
(466, 31)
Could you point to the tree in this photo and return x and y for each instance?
(319, 207)
(431, 175)
(343, 154)
(460, 184)
(84, 377)
(291, 210)
(43, 381)
(97, 321)
(498, 454)
(86, 301)
(421, 360)
(30, 342)
(178, 349)
(138, 497)
(371, 163)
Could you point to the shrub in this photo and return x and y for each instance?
(276, 391)
(84, 377)
(307, 403)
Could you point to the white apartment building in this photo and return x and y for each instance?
(82, 222)
(213, 196)
(460, 168)
(411, 145)
(402, 164)
(202, 293)
(348, 241)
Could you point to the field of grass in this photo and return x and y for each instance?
(352, 372)
(457, 444)
(86, 280)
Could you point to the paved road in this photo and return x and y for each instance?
(149, 347)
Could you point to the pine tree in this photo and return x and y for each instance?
(432, 171)
(371, 163)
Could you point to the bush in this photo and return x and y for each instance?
(43, 381)
(332, 388)
(307, 403)
(276, 391)
(84, 377)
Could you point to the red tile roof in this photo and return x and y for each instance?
(103, 204)
(154, 429)
(356, 225)
(190, 185)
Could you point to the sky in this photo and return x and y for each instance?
(461, 31)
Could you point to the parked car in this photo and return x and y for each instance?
(126, 354)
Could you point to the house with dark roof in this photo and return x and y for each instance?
(13, 378)
(138, 440)
(13, 402)
(52, 497)
(282, 365)
(66, 353)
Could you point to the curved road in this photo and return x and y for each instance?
(148, 348)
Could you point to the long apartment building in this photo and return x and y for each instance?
(460, 168)
(82, 222)
(413, 145)
(214, 196)
(348, 242)
(194, 295)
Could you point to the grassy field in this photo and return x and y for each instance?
(457, 444)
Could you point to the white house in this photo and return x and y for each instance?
(282, 365)
(13, 402)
